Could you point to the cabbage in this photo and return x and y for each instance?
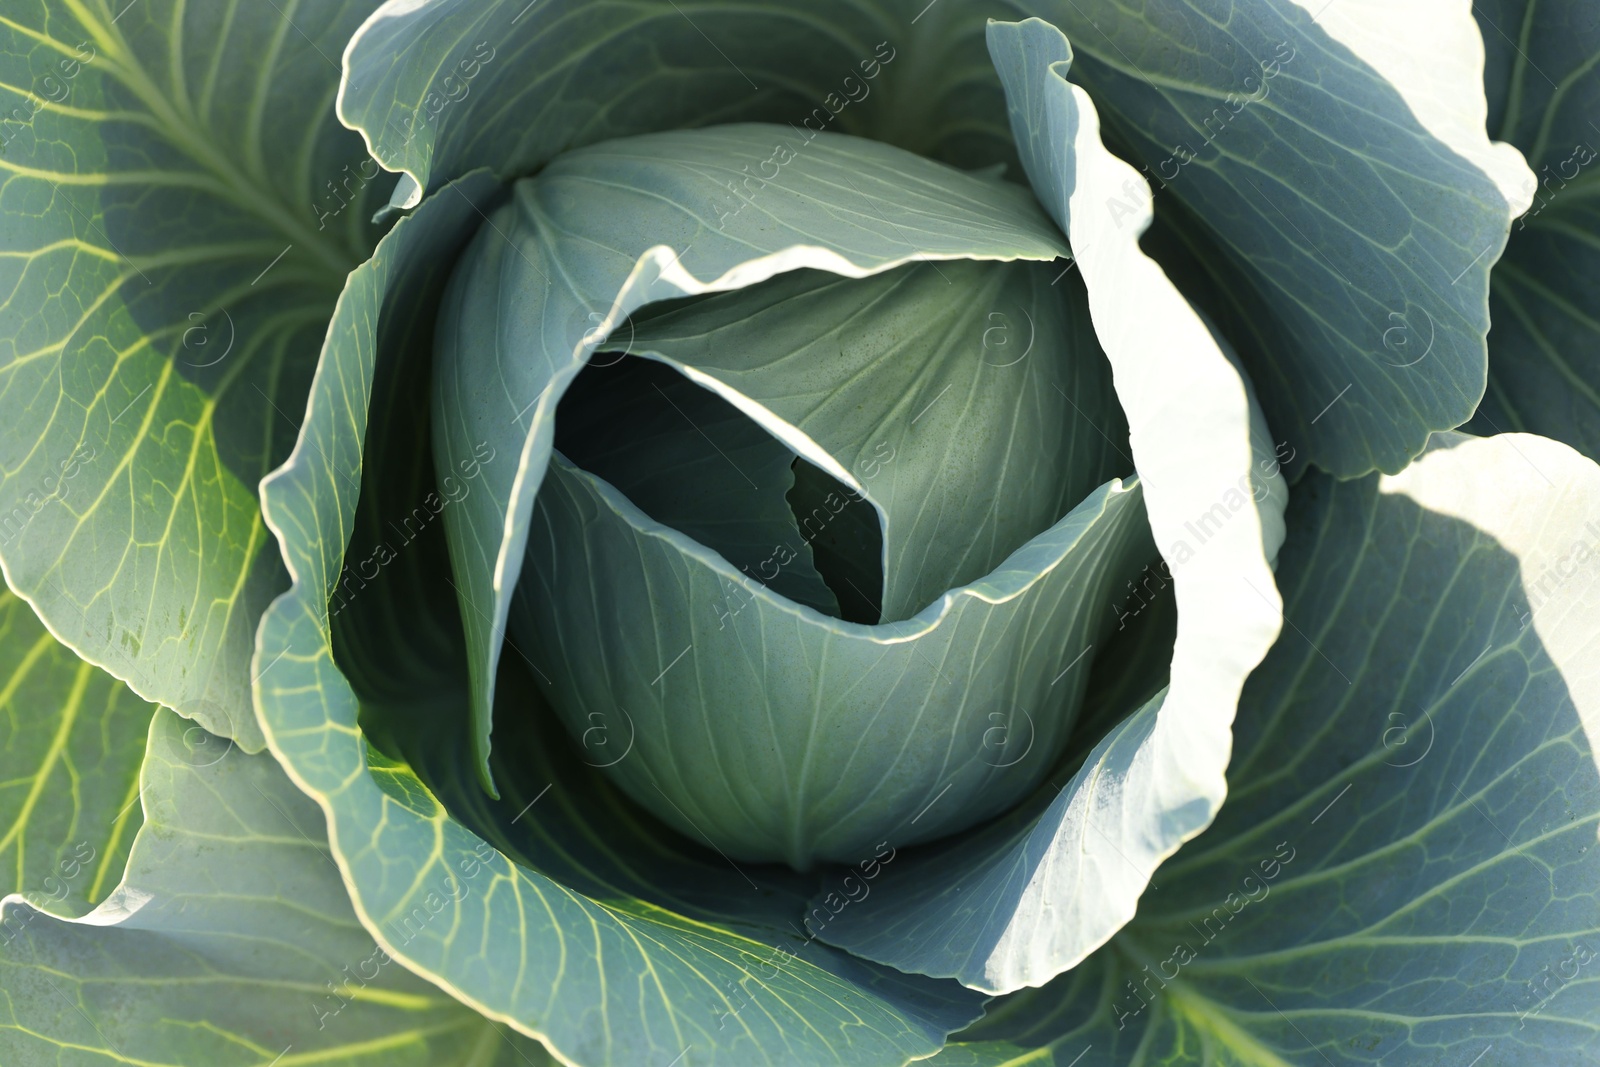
(637, 532)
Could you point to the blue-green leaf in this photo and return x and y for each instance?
(230, 943)
(180, 209)
(969, 402)
(777, 733)
(1543, 82)
(1037, 892)
(607, 229)
(1405, 871)
(1331, 160)
(439, 87)
(588, 925)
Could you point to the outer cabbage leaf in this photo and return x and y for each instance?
(607, 229)
(1405, 871)
(1333, 161)
(1022, 903)
(181, 207)
(1311, 165)
(1544, 351)
(439, 87)
(1349, 200)
(71, 740)
(230, 943)
(588, 925)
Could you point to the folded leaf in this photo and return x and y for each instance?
(1405, 870)
(229, 943)
(1335, 161)
(690, 460)
(1051, 882)
(181, 208)
(1544, 351)
(595, 929)
(777, 733)
(607, 229)
(71, 740)
(969, 402)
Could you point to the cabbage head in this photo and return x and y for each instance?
(690, 533)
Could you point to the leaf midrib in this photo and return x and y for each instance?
(239, 187)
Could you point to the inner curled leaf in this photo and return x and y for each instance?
(966, 401)
(693, 461)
